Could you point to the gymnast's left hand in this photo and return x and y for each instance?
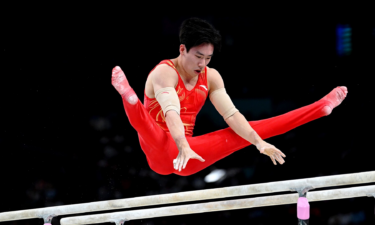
(270, 150)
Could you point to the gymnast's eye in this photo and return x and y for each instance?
(198, 57)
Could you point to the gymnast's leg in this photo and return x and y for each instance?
(152, 138)
(283, 123)
(219, 144)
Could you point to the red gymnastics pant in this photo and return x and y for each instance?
(160, 148)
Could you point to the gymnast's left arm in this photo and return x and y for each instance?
(235, 120)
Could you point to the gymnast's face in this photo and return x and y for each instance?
(197, 58)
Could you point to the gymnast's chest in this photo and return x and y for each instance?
(191, 101)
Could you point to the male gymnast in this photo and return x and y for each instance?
(174, 93)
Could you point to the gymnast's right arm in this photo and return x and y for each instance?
(164, 80)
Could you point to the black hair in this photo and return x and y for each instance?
(195, 31)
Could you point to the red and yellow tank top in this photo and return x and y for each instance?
(191, 101)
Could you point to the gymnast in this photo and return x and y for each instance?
(176, 90)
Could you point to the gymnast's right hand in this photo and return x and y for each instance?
(177, 131)
(185, 153)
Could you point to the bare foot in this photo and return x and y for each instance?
(335, 97)
(122, 86)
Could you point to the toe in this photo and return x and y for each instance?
(341, 93)
(344, 90)
(116, 70)
(341, 96)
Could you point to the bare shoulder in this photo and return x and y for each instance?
(214, 80)
(164, 76)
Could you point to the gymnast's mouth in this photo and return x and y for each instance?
(197, 71)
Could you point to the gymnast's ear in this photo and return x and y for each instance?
(182, 49)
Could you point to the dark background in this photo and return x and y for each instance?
(65, 139)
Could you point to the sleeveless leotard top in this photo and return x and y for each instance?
(191, 101)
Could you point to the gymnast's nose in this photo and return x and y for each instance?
(201, 63)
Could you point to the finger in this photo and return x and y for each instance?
(180, 164)
(198, 157)
(273, 160)
(280, 159)
(175, 164)
(186, 161)
(281, 153)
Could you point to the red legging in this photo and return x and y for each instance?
(160, 148)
